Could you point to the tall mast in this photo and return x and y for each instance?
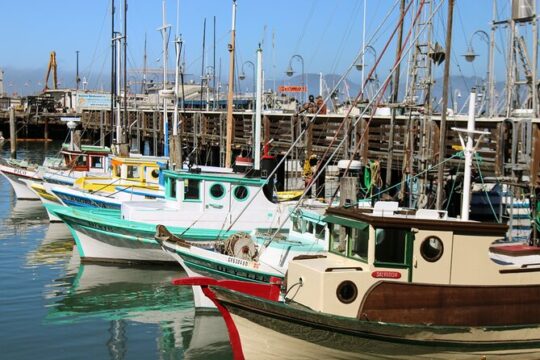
(125, 123)
(258, 111)
(113, 68)
(229, 138)
(164, 33)
(444, 105)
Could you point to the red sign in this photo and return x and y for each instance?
(292, 88)
(386, 274)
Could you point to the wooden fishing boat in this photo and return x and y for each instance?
(258, 256)
(72, 165)
(200, 206)
(132, 178)
(410, 283)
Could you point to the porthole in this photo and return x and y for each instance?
(432, 248)
(241, 193)
(347, 292)
(154, 173)
(217, 191)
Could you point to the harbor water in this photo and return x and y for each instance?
(54, 307)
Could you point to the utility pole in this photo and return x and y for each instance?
(444, 105)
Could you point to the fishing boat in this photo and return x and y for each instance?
(72, 165)
(132, 178)
(257, 256)
(392, 276)
(199, 206)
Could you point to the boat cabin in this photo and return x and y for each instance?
(134, 172)
(389, 244)
(212, 200)
(89, 158)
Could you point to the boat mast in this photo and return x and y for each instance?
(164, 34)
(258, 102)
(444, 105)
(125, 123)
(113, 68)
(229, 138)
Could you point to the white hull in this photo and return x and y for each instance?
(200, 300)
(93, 249)
(22, 192)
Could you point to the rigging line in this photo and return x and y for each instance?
(312, 120)
(329, 22)
(300, 136)
(318, 173)
(93, 58)
(344, 39)
(308, 19)
(387, 82)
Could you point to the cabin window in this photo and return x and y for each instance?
(132, 172)
(319, 231)
(309, 227)
(432, 248)
(347, 292)
(339, 236)
(171, 188)
(80, 161)
(117, 170)
(359, 243)
(95, 162)
(191, 189)
(390, 245)
(296, 224)
(217, 191)
(241, 192)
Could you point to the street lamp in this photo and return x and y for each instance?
(470, 55)
(242, 76)
(360, 65)
(290, 71)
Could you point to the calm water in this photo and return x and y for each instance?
(53, 307)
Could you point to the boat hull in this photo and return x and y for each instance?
(108, 238)
(16, 178)
(304, 334)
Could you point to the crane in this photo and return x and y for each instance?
(52, 66)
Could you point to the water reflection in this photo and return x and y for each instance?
(127, 295)
(55, 248)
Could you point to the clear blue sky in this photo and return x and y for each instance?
(327, 34)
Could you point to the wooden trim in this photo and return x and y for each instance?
(458, 227)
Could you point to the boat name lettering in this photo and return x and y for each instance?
(386, 274)
(236, 261)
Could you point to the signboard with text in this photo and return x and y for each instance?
(294, 88)
(93, 101)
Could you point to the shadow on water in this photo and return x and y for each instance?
(137, 295)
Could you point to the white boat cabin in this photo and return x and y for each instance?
(211, 200)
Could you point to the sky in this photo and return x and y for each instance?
(327, 35)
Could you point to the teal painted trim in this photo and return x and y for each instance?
(217, 178)
(121, 236)
(224, 264)
(346, 222)
(77, 241)
(237, 198)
